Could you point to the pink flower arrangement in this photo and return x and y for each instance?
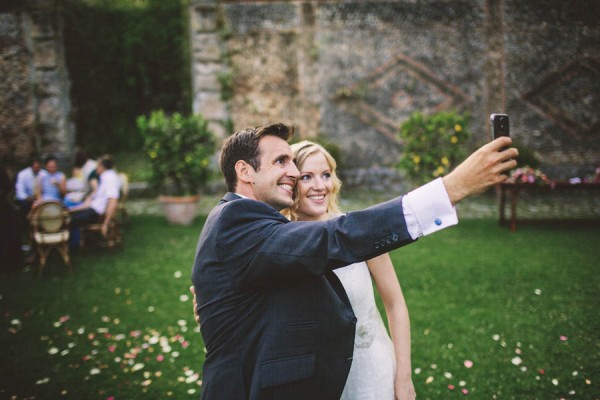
(529, 175)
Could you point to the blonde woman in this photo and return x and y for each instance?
(381, 366)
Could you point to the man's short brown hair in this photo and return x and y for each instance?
(106, 161)
(243, 145)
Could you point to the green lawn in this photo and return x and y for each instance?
(121, 326)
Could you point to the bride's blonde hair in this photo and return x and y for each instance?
(302, 150)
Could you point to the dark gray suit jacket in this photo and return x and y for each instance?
(275, 319)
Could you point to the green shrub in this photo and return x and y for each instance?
(179, 149)
(433, 144)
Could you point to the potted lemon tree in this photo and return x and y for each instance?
(179, 149)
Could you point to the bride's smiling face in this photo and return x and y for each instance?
(314, 188)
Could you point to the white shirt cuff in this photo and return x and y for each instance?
(428, 209)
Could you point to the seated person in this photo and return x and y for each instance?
(84, 179)
(26, 183)
(53, 184)
(103, 201)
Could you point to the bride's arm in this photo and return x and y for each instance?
(386, 281)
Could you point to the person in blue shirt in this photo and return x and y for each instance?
(53, 184)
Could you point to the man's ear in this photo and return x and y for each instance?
(244, 171)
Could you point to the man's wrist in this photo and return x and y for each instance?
(455, 194)
(428, 209)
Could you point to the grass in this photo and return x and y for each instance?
(121, 326)
(98, 333)
(480, 293)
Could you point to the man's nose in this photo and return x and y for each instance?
(292, 171)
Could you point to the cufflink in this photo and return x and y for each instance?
(438, 221)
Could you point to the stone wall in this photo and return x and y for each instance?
(34, 89)
(352, 71)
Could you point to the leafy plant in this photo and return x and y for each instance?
(179, 149)
(433, 144)
(225, 78)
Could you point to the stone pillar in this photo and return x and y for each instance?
(17, 133)
(52, 104)
(208, 65)
(34, 90)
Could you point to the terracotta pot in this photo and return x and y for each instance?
(180, 210)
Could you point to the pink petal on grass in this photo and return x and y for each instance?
(464, 391)
(451, 387)
(563, 338)
(468, 363)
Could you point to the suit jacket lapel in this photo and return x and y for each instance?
(335, 283)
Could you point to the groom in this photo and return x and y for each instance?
(276, 321)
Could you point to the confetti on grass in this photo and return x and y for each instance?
(102, 351)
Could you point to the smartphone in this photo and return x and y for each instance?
(500, 125)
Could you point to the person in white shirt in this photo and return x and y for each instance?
(26, 183)
(84, 180)
(103, 201)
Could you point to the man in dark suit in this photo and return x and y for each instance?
(276, 321)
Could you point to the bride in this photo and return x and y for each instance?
(381, 367)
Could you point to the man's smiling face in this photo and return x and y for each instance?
(275, 179)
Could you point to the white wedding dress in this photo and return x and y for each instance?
(373, 367)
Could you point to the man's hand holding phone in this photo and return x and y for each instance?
(486, 167)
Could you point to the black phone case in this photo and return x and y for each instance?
(500, 125)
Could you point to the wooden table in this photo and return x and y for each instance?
(513, 190)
